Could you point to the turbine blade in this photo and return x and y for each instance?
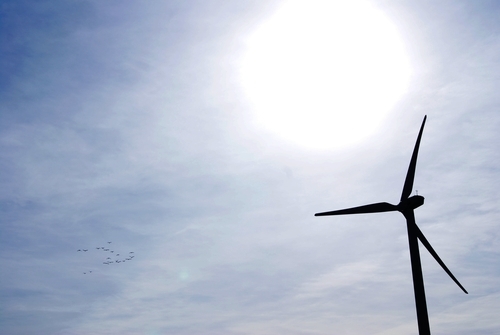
(410, 175)
(426, 244)
(372, 208)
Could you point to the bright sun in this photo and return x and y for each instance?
(324, 73)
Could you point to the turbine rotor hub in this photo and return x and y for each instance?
(410, 203)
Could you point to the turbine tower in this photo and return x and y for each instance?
(406, 206)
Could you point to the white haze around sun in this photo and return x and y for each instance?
(324, 74)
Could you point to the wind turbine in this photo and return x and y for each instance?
(406, 206)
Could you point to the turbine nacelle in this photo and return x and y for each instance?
(410, 204)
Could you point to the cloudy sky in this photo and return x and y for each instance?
(200, 137)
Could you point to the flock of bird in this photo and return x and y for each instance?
(119, 258)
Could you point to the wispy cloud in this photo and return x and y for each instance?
(126, 122)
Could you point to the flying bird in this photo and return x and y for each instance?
(406, 206)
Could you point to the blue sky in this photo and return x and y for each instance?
(126, 121)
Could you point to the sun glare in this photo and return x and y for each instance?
(324, 73)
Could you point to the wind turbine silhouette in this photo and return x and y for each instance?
(406, 206)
